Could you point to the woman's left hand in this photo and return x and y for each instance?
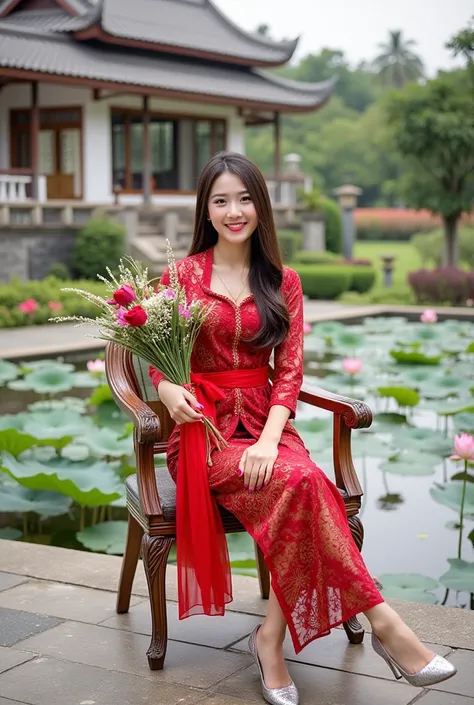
(257, 463)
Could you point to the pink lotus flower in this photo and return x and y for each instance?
(55, 305)
(307, 328)
(352, 365)
(464, 446)
(429, 316)
(96, 366)
(28, 306)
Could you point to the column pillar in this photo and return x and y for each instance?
(277, 156)
(34, 140)
(146, 151)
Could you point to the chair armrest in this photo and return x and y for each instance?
(348, 414)
(147, 430)
(356, 414)
(146, 422)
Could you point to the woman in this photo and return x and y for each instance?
(265, 476)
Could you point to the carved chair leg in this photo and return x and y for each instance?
(129, 564)
(155, 551)
(263, 574)
(353, 628)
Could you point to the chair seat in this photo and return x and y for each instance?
(167, 494)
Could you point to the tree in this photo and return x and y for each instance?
(398, 64)
(462, 44)
(434, 130)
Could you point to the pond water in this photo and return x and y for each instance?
(417, 378)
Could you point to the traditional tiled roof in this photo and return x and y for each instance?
(75, 7)
(57, 54)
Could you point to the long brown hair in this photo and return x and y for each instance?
(266, 266)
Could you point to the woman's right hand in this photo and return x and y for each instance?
(180, 403)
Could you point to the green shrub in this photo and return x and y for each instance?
(430, 246)
(324, 281)
(290, 242)
(333, 222)
(98, 245)
(59, 271)
(398, 295)
(363, 278)
(310, 257)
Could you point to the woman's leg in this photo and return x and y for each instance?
(270, 639)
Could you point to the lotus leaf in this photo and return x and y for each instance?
(107, 537)
(411, 464)
(422, 333)
(33, 365)
(15, 442)
(453, 346)
(443, 386)
(46, 380)
(402, 395)
(416, 437)
(76, 452)
(327, 329)
(416, 376)
(409, 586)
(87, 484)
(404, 357)
(8, 371)
(470, 348)
(448, 407)
(384, 324)
(349, 340)
(386, 420)
(14, 498)
(63, 404)
(460, 575)
(104, 442)
(450, 495)
(17, 421)
(369, 446)
(109, 415)
(85, 380)
(7, 532)
(464, 422)
(100, 395)
(57, 424)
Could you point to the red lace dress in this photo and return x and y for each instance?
(298, 519)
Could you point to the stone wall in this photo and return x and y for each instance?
(26, 254)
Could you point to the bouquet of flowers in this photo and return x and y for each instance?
(154, 322)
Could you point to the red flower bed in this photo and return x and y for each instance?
(396, 223)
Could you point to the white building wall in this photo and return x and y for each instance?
(97, 145)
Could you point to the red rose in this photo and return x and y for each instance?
(136, 316)
(124, 296)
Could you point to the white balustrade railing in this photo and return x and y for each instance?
(13, 188)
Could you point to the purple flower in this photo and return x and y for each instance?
(122, 321)
(183, 311)
(169, 294)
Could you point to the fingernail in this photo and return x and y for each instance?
(199, 406)
(241, 472)
(246, 487)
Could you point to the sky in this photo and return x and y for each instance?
(357, 26)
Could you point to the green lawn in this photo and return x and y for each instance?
(406, 258)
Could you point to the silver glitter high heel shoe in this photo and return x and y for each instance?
(274, 696)
(436, 671)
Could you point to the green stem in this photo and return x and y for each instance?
(25, 524)
(82, 520)
(102, 514)
(95, 515)
(461, 513)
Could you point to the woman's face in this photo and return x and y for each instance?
(231, 210)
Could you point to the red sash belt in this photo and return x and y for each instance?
(204, 577)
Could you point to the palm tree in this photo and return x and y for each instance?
(398, 64)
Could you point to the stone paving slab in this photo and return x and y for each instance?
(322, 686)
(9, 658)
(47, 681)
(4, 701)
(61, 600)
(116, 650)
(335, 651)
(433, 698)
(218, 632)
(16, 625)
(8, 580)
(463, 682)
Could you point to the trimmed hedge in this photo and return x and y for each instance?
(363, 278)
(100, 244)
(311, 257)
(290, 242)
(45, 300)
(442, 285)
(333, 223)
(324, 281)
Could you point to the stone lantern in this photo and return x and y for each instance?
(347, 196)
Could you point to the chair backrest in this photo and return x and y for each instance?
(137, 369)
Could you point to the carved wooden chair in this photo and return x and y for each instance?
(151, 497)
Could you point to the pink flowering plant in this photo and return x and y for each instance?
(464, 447)
(155, 322)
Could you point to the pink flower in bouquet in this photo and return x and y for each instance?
(121, 317)
(28, 306)
(96, 365)
(169, 294)
(55, 305)
(307, 328)
(352, 365)
(183, 311)
(136, 316)
(429, 316)
(124, 296)
(464, 446)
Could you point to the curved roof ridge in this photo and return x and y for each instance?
(299, 86)
(289, 45)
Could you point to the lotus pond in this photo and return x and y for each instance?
(66, 449)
